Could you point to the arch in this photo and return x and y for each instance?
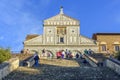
(49, 51)
(46, 51)
(74, 52)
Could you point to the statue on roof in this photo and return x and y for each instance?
(61, 10)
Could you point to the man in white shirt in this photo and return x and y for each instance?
(63, 54)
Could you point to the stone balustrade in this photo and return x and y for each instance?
(8, 66)
(92, 61)
(110, 63)
(113, 64)
(29, 62)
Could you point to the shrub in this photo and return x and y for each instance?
(117, 55)
(4, 54)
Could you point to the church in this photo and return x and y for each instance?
(60, 32)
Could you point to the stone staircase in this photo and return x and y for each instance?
(56, 69)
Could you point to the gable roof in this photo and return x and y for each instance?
(31, 36)
(94, 36)
(107, 33)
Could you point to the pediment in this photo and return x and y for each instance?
(61, 19)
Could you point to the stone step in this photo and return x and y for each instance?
(50, 70)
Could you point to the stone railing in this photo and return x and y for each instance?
(92, 61)
(29, 62)
(113, 64)
(8, 66)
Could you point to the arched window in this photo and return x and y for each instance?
(103, 47)
(117, 47)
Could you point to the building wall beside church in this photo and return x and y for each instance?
(108, 41)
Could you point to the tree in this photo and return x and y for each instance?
(4, 54)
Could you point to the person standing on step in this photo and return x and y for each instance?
(77, 55)
(67, 52)
(80, 55)
(90, 51)
(85, 51)
(36, 58)
(63, 54)
(108, 52)
(43, 52)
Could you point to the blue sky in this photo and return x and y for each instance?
(21, 17)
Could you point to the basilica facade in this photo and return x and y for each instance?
(60, 32)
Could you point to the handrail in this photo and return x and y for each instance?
(92, 60)
(114, 60)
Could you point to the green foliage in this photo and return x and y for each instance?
(4, 54)
(117, 55)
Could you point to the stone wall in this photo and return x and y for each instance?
(8, 66)
(113, 64)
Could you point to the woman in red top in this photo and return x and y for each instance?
(58, 55)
